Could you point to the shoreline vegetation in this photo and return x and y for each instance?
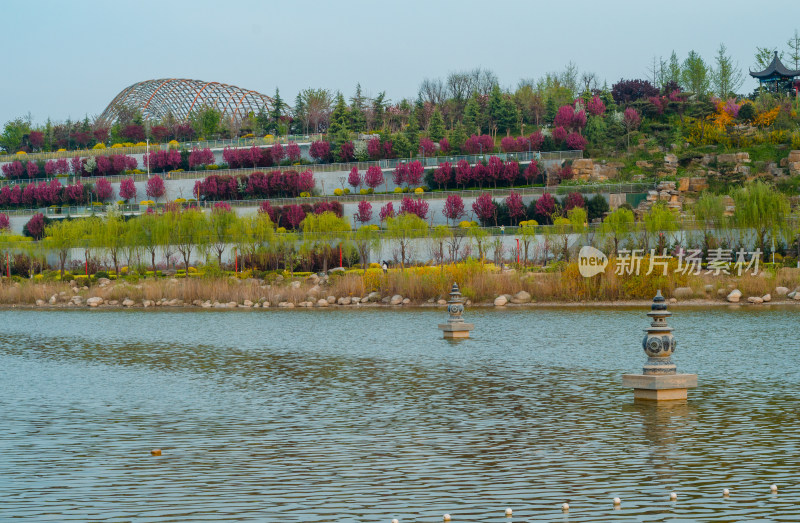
(481, 285)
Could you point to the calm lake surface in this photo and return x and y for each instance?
(368, 415)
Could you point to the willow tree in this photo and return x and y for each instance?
(527, 233)
(709, 212)
(404, 229)
(366, 239)
(152, 234)
(60, 238)
(189, 234)
(659, 221)
(761, 208)
(619, 224)
(221, 228)
(111, 237)
(323, 230)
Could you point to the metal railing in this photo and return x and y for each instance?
(155, 146)
(87, 210)
(428, 162)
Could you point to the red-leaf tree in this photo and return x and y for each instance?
(485, 208)
(278, 153)
(155, 187)
(102, 190)
(414, 176)
(159, 133)
(516, 209)
(575, 142)
(463, 173)
(133, 132)
(559, 134)
(5, 223)
(494, 169)
(374, 149)
(579, 120)
(200, 157)
(293, 152)
(426, 147)
(101, 134)
(33, 170)
(596, 107)
(347, 152)
(532, 172)
(444, 145)
(387, 211)
(536, 139)
(35, 226)
(400, 174)
(453, 208)
(364, 213)
(545, 207)
(294, 215)
(354, 178)
(510, 172)
(36, 139)
(564, 116)
(479, 144)
(443, 174)
(574, 199)
(411, 206)
(320, 151)
(374, 177)
(127, 189)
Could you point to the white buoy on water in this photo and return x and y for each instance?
(773, 488)
(509, 512)
(617, 501)
(673, 496)
(565, 507)
(726, 492)
(395, 521)
(446, 517)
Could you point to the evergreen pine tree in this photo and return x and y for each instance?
(278, 107)
(412, 131)
(358, 120)
(458, 137)
(436, 127)
(472, 117)
(339, 117)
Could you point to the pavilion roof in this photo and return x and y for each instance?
(775, 68)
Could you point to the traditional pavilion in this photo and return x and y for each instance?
(778, 78)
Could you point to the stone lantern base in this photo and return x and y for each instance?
(659, 387)
(456, 330)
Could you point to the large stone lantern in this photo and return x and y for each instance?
(455, 326)
(659, 380)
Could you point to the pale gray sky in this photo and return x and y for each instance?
(68, 59)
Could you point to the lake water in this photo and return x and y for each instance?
(368, 415)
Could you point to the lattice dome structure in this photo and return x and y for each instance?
(180, 97)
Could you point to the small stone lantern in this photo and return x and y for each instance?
(659, 380)
(455, 326)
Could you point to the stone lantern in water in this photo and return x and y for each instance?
(659, 380)
(455, 326)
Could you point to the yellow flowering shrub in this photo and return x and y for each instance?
(116, 146)
(281, 230)
(61, 150)
(465, 224)
(398, 189)
(180, 200)
(767, 118)
(338, 192)
(419, 190)
(141, 144)
(305, 194)
(148, 203)
(99, 145)
(21, 153)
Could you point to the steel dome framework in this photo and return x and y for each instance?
(156, 99)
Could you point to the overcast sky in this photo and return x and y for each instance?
(70, 58)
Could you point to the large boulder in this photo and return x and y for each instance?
(500, 301)
(521, 297)
(396, 300)
(767, 298)
(374, 296)
(682, 293)
(755, 299)
(781, 291)
(322, 303)
(94, 302)
(127, 302)
(734, 296)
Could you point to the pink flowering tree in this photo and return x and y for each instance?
(453, 208)
(35, 226)
(200, 157)
(494, 170)
(536, 141)
(354, 178)
(510, 172)
(364, 213)
(443, 174)
(559, 135)
(373, 177)
(32, 169)
(485, 209)
(102, 190)
(482, 144)
(155, 187)
(127, 189)
(575, 141)
(516, 209)
(444, 145)
(293, 152)
(386, 212)
(5, 223)
(564, 116)
(578, 121)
